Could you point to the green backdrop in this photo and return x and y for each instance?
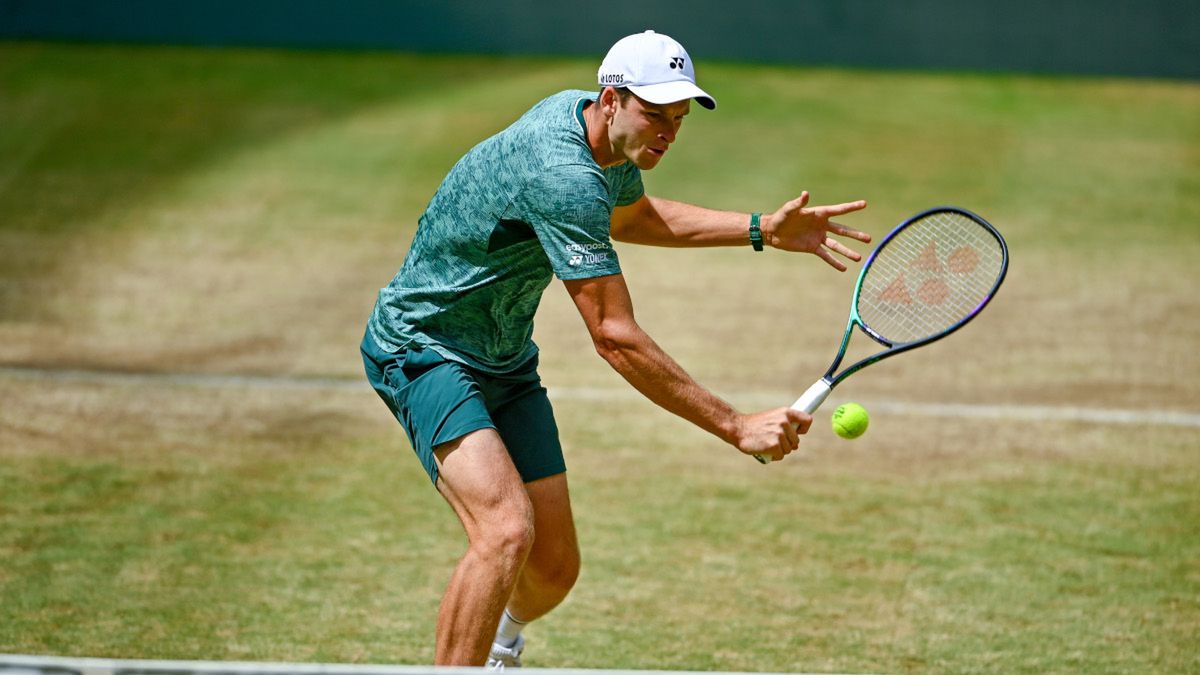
(1116, 37)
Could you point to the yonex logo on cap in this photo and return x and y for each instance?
(676, 62)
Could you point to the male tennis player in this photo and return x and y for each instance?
(448, 346)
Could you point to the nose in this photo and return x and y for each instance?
(669, 131)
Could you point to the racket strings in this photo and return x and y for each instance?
(931, 276)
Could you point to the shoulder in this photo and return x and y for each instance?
(557, 118)
(564, 103)
(568, 182)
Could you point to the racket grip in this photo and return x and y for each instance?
(808, 402)
(812, 399)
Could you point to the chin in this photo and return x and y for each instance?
(647, 161)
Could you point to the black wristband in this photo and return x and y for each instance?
(756, 239)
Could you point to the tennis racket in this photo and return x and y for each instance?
(927, 278)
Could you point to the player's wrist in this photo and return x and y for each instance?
(756, 233)
(731, 429)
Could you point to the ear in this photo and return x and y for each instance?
(609, 101)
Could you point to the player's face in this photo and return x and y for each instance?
(642, 131)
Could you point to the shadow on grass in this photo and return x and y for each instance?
(87, 131)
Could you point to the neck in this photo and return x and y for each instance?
(597, 136)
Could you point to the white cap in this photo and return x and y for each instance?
(654, 67)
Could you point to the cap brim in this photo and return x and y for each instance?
(671, 92)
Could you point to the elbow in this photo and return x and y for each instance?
(613, 341)
(607, 348)
(619, 232)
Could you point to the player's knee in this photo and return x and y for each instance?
(511, 535)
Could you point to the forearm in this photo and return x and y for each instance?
(607, 310)
(792, 227)
(679, 224)
(650, 370)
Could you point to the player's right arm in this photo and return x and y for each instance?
(607, 310)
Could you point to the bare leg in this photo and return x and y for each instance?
(479, 481)
(553, 564)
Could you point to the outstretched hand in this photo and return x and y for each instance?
(795, 227)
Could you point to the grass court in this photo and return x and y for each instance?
(191, 241)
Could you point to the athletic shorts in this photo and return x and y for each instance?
(437, 400)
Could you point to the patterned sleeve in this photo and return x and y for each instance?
(629, 178)
(571, 216)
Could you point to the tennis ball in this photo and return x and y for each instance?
(850, 420)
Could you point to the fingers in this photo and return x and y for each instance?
(835, 246)
(824, 213)
(797, 203)
(840, 248)
(828, 257)
(843, 231)
(800, 421)
(789, 440)
(777, 453)
(792, 437)
(840, 209)
(795, 424)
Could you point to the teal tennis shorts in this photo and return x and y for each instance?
(437, 400)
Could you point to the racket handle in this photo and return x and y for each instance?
(808, 402)
(814, 397)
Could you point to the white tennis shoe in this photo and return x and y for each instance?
(506, 657)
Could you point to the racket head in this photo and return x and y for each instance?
(927, 278)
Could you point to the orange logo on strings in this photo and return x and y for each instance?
(964, 260)
(897, 292)
(929, 276)
(928, 260)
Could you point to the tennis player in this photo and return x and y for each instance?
(448, 345)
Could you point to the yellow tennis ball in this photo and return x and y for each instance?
(850, 420)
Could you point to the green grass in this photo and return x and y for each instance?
(235, 211)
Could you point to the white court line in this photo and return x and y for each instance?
(1026, 413)
(1020, 413)
(18, 664)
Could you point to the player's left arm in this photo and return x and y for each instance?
(795, 226)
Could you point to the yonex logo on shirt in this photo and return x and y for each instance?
(589, 258)
(583, 253)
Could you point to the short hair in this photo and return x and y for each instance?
(623, 93)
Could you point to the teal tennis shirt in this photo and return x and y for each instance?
(520, 208)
